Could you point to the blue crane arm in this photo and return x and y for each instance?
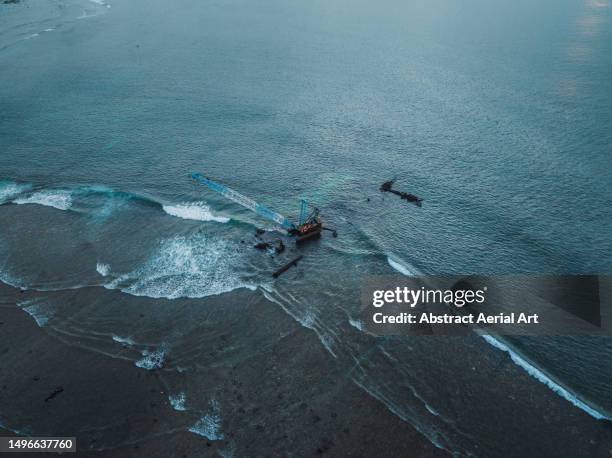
(244, 201)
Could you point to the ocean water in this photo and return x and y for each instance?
(498, 114)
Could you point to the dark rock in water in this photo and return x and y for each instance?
(262, 245)
(280, 247)
(259, 232)
(6, 2)
(55, 392)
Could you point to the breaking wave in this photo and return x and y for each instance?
(545, 379)
(10, 189)
(102, 269)
(64, 199)
(60, 199)
(191, 266)
(197, 211)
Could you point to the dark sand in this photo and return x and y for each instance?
(288, 399)
(280, 392)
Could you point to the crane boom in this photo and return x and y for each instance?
(244, 201)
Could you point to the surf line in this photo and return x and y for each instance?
(539, 375)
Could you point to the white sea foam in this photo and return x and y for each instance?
(431, 410)
(40, 311)
(9, 190)
(123, 340)
(545, 379)
(209, 425)
(185, 266)
(152, 359)
(402, 267)
(177, 401)
(62, 200)
(307, 317)
(197, 211)
(357, 324)
(103, 269)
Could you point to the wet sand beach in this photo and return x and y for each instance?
(283, 396)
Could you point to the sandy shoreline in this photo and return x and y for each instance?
(286, 395)
(269, 407)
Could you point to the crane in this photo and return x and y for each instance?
(246, 202)
(308, 226)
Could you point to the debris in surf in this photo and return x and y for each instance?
(278, 246)
(387, 186)
(287, 266)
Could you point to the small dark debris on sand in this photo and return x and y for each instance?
(58, 390)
